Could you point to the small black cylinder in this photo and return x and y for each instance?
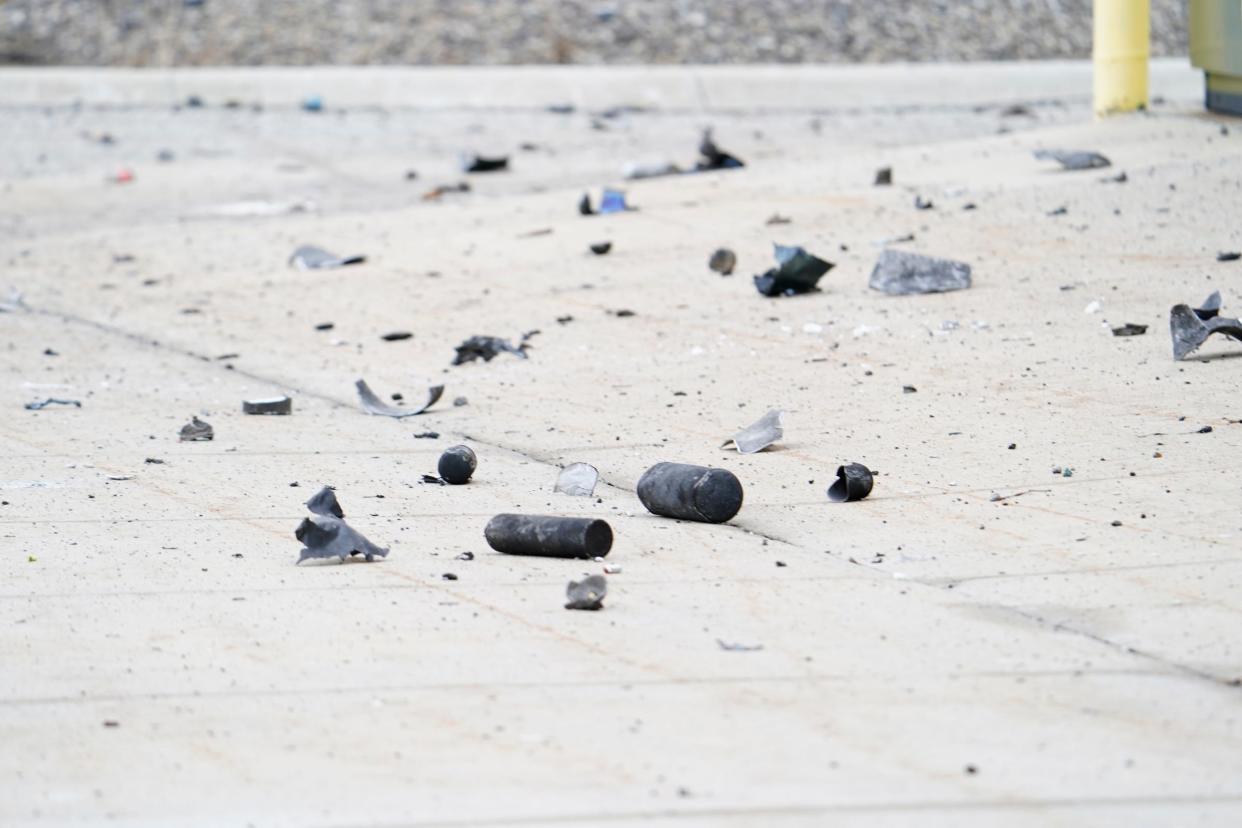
(549, 537)
(457, 464)
(687, 492)
(854, 482)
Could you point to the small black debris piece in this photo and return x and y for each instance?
(714, 158)
(457, 465)
(42, 404)
(587, 594)
(488, 348)
(197, 431)
(1191, 327)
(612, 201)
(1130, 329)
(723, 261)
(397, 336)
(465, 556)
(899, 273)
(427, 435)
(374, 405)
(550, 537)
(436, 193)
(909, 389)
(272, 405)
(1205, 430)
(685, 492)
(776, 220)
(921, 203)
(325, 326)
(601, 248)
(325, 503)
(308, 257)
(854, 482)
(1228, 256)
(1074, 159)
(431, 479)
(448, 576)
(884, 177)
(1119, 178)
(458, 402)
(622, 313)
(481, 164)
(797, 272)
(153, 461)
(1059, 211)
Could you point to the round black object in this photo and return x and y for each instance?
(549, 537)
(457, 464)
(687, 492)
(854, 482)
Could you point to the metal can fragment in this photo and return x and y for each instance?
(686, 492)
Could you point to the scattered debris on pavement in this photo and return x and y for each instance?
(471, 163)
(723, 261)
(308, 257)
(1228, 256)
(760, 435)
(713, 157)
(197, 431)
(854, 482)
(1130, 329)
(488, 348)
(797, 272)
(1074, 159)
(601, 248)
(42, 404)
(884, 177)
(374, 405)
(686, 492)
(325, 534)
(577, 480)
(587, 594)
(549, 537)
(899, 273)
(396, 336)
(1191, 327)
(271, 405)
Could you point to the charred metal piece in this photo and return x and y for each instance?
(274, 406)
(797, 272)
(854, 482)
(457, 465)
(549, 537)
(686, 492)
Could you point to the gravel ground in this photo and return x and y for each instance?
(301, 32)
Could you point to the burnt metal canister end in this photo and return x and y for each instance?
(854, 482)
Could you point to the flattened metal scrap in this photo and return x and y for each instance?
(488, 348)
(324, 536)
(197, 431)
(797, 272)
(374, 405)
(587, 594)
(471, 163)
(1190, 330)
(1074, 159)
(42, 404)
(577, 480)
(1210, 307)
(309, 257)
(898, 273)
(755, 438)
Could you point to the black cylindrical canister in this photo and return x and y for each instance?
(687, 492)
(457, 464)
(549, 537)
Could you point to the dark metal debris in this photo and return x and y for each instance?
(723, 261)
(612, 201)
(457, 464)
(308, 257)
(488, 348)
(374, 405)
(325, 534)
(601, 248)
(760, 435)
(884, 177)
(1191, 327)
(587, 594)
(197, 431)
(921, 203)
(677, 490)
(1074, 159)
(853, 482)
(714, 158)
(1228, 256)
(1130, 329)
(797, 272)
(42, 404)
(397, 336)
(549, 537)
(899, 273)
(480, 164)
(273, 405)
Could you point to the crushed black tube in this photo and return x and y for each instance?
(549, 537)
(854, 482)
(457, 465)
(685, 492)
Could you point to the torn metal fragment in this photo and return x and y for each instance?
(713, 157)
(1074, 159)
(197, 431)
(1190, 330)
(325, 503)
(577, 480)
(13, 303)
(686, 492)
(755, 438)
(1228, 256)
(374, 405)
(899, 273)
(457, 465)
(325, 536)
(42, 404)
(488, 348)
(308, 257)
(549, 537)
(854, 482)
(272, 405)
(921, 203)
(1210, 308)
(723, 261)
(1130, 329)
(480, 164)
(797, 272)
(587, 594)
(601, 248)
(397, 336)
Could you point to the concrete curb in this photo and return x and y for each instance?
(750, 88)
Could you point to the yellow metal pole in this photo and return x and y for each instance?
(1122, 45)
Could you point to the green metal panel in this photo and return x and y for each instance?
(1216, 48)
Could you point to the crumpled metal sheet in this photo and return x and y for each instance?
(471, 163)
(899, 273)
(797, 272)
(309, 257)
(374, 405)
(42, 404)
(325, 536)
(488, 348)
(577, 480)
(325, 503)
(762, 434)
(197, 431)
(1191, 327)
(587, 594)
(1074, 159)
